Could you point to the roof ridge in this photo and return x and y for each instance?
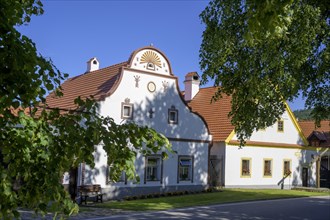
(95, 71)
(107, 67)
(99, 83)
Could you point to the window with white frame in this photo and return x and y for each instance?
(172, 115)
(126, 109)
(185, 168)
(153, 168)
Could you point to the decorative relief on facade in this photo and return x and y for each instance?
(165, 85)
(151, 86)
(151, 59)
(151, 113)
(137, 80)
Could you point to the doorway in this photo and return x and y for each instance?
(215, 171)
(305, 177)
(73, 183)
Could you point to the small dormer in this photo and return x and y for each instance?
(191, 85)
(92, 65)
(319, 139)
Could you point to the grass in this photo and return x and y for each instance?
(226, 196)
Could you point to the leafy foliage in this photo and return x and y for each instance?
(265, 52)
(37, 143)
(303, 114)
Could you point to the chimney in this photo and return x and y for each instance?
(191, 85)
(92, 65)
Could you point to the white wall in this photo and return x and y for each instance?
(298, 159)
(170, 172)
(270, 134)
(190, 125)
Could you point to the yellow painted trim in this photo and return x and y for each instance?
(279, 146)
(250, 167)
(295, 122)
(232, 133)
(318, 149)
(289, 160)
(271, 168)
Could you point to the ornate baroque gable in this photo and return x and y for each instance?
(151, 60)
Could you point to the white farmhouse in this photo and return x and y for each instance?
(145, 91)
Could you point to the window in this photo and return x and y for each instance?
(315, 143)
(268, 168)
(150, 66)
(246, 167)
(126, 109)
(287, 167)
(153, 169)
(185, 168)
(172, 115)
(280, 126)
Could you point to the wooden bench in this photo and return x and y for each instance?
(86, 191)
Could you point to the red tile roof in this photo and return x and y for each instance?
(214, 113)
(99, 83)
(308, 127)
(191, 74)
(321, 133)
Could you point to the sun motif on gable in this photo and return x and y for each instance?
(151, 59)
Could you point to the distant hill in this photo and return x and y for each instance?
(303, 114)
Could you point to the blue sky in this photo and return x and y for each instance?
(73, 31)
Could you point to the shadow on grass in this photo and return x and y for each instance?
(226, 196)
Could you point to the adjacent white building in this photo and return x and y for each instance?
(276, 157)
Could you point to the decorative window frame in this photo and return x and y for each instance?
(290, 165)
(191, 158)
(271, 168)
(174, 111)
(151, 66)
(160, 166)
(250, 168)
(280, 128)
(124, 105)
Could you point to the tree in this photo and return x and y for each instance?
(263, 53)
(303, 114)
(37, 143)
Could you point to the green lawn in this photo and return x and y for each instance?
(226, 196)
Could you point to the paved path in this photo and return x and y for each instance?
(310, 208)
